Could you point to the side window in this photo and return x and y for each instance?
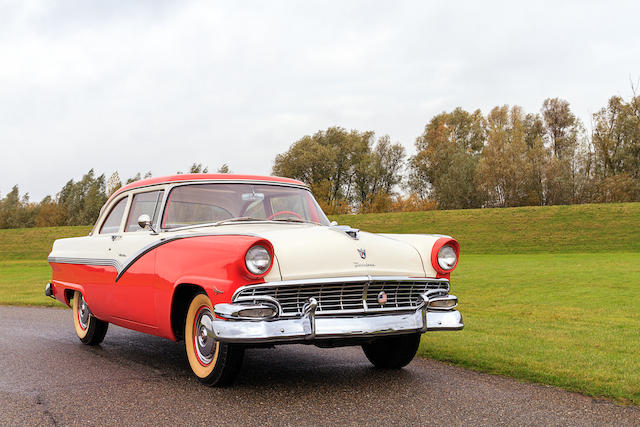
(144, 203)
(112, 223)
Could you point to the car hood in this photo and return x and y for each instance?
(305, 251)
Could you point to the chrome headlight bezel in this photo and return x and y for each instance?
(447, 257)
(258, 260)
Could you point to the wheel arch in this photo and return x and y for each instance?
(182, 296)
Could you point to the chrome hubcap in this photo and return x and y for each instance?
(205, 344)
(83, 313)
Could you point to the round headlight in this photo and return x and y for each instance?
(447, 257)
(257, 260)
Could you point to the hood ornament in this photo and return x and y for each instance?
(363, 253)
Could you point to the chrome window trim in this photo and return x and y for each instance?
(171, 186)
(134, 193)
(105, 213)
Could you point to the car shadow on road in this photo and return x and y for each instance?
(286, 365)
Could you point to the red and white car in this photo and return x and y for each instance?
(225, 262)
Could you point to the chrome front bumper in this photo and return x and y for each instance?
(311, 327)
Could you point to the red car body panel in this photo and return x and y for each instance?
(143, 296)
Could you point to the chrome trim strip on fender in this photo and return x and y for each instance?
(107, 262)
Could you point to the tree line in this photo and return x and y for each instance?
(469, 160)
(77, 203)
(463, 159)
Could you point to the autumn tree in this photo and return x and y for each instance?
(15, 211)
(562, 136)
(82, 200)
(616, 142)
(377, 175)
(113, 183)
(444, 166)
(326, 162)
(138, 176)
(509, 167)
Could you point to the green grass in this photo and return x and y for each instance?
(569, 320)
(22, 283)
(34, 243)
(541, 229)
(548, 294)
(24, 270)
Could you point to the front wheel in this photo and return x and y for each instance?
(392, 352)
(214, 363)
(89, 329)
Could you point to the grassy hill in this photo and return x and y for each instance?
(539, 229)
(548, 294)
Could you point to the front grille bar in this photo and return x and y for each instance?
(343, 295)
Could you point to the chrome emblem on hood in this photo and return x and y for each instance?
(363, 253)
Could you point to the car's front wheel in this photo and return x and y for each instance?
(392, 352)
(214, 363)
(89, 329)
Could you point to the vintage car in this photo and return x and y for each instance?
(225, 262)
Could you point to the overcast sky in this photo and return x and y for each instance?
(134, 86)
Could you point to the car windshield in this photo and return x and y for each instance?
(224, 203)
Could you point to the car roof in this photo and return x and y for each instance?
(191, 177)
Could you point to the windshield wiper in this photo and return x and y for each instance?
(237, 219)
(294, 220)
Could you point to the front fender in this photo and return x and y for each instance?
(424, 244)
(214, 263)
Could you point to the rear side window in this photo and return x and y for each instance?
(144, 203)
(112, 223)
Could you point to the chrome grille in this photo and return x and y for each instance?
(349, 295)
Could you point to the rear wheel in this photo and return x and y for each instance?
(214, 363)
(90, 330)
(392, 352)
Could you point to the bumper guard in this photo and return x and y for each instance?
(428, 316)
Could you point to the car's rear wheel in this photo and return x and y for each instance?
(392, 352)
(89, 329)
(214, 363)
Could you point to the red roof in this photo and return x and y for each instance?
(203, 177)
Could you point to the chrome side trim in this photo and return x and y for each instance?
(107, 262)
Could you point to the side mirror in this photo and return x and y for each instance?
(144, 221)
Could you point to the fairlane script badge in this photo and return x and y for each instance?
(363, 253)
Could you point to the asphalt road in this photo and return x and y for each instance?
(47, 377)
